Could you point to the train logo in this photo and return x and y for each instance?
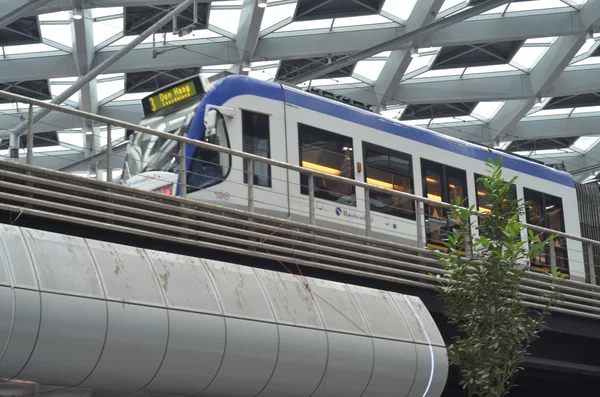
(348, 214)
(222, 196)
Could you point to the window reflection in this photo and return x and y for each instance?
(255, 140)
(391, 170)
(444, 184)
(546, 211)
(331, 153)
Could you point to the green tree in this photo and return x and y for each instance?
(481, 290)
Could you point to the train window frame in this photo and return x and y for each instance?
(190, 185)
(257, 164)
(383, 151)
(445, 172)
(562, 262)
(346, 144)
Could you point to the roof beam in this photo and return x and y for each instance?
(527, 128)
(21, 11)
(404, 39)
(480, 88)
(249, 29)
(387, 83)
(547, 70)
(296, 45)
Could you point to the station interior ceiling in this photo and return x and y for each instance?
(522, 77)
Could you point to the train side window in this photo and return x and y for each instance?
(393, 170)
(444, 184)
(209, 167)
(482, 198)
(331, 153)
(256, 140)
(546, 211)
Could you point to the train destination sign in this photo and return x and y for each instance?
(172, 95)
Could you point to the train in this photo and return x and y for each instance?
(321, 131)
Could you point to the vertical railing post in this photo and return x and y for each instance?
(182, 173)
(420, 218)
(251, 185)
(367, 212)
(311, 199)
(109, 176)
(552, 257)
(591, 264)
(30, 136)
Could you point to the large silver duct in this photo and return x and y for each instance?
(109, 320)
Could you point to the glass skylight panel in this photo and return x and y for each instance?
(277, 13)
(369, 69)
(497, 10)
(134, 96)
(528, 57)
(393, 113)
(585, 143)
(384, 54)
(421, 122)
(331, 82)
(534, 5)
(489, 69)
(440, 73)
(586, 109)
(108, 88)
(230, 3)
(399, 8)
(307, 25)
(115, 135)
(448, 4)
(551, 112)
(71, 138)
(106, 11)
(444, 120)
(541, 40)
(360, 21)
(586, 47)
(228, 20)
(60, 34)
(265, 74)
(28, 49)
(63, 80)
(419, 62)
(57, 89)
(55, 16)
(587, 61)
(104, 30)
(543, 152)
(264, 64)
(217, 68)
(502, 145)
(487, 110)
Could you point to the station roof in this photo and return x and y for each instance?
(523, 76)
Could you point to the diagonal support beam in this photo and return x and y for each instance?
(249, 29)
(22, 11)
(401, 40)
(543, 75)
(386, 85)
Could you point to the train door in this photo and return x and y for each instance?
(260, 130)
(315, 146)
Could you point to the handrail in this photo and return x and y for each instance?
(277, 163)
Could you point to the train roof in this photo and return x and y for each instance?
(237, 85)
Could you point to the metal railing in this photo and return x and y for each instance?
(60, 196)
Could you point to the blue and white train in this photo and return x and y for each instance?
(325, 134)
